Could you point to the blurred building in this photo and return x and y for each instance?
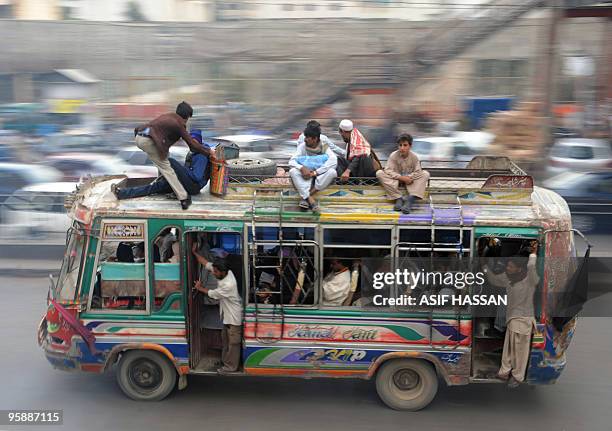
(109, 10)
(332, 9)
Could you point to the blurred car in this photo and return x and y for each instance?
(75, 141)
(579, 154)
(589, 196)
(14, 176)
(262, 146)
(138, 163)
(434, 150)
(76, 165)
(38, 210)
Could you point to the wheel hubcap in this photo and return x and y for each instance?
(406, 380)
(145, 375)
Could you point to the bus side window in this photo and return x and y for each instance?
(121, 277)
(289, 275)
(166, 268)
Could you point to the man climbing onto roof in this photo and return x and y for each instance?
(193, 176)
(157, 136)
(403, 178)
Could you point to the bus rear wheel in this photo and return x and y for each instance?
(145, 375)
(407, 384)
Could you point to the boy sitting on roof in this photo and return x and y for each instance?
(403, 172)
(313, 167)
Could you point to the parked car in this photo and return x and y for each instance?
(38, 210)
(76, 165)
(589, 196)
(14, 176)
(579, 154)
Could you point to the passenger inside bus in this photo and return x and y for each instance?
(336, 285)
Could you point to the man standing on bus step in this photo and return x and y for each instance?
(520, 280)
(403, 173)
(230, 309)
(157, 136)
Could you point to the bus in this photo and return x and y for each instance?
(124, 298)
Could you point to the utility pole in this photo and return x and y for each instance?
(549, 70)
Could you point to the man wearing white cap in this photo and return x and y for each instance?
(360, 159)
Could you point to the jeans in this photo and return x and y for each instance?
(161, 185)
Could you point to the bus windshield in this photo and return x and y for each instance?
(65, 288)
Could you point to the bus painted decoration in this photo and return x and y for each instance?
(127, 231)
(414, 331)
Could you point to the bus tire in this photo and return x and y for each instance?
(145, 375)
(407, 384)
(251, 166)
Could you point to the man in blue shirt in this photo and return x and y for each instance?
(193, 176)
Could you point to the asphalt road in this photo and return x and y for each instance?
(581, 400)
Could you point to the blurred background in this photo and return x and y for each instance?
(528, 79)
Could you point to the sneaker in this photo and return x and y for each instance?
(186, 203)
(226, 370)
(407, 207)
(304, 205)
(399, 203)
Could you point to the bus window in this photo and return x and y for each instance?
(288, 275)
(121, 277)
(361, 236)
(290, 233)
(167, 268)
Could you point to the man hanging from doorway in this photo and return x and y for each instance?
(520, 280)
(157, 136)
(230, 309)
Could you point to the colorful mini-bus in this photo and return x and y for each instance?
(124, 298)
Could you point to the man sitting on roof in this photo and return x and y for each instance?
(313, 167)
(403, 172)
(324, 139)
(360, 160)
(193, 176)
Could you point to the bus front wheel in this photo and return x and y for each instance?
(407, 384)
(145, 375)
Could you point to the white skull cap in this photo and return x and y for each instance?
(346, 125)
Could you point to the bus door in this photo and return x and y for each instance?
(493, 244)
(431, 250)
(213, 239)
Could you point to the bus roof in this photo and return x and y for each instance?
(475, 195)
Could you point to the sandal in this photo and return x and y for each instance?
(304, 205)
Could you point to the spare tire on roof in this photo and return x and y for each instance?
(251, 166)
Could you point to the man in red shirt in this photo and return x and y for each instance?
(157, 136)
